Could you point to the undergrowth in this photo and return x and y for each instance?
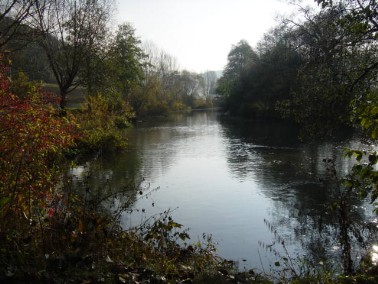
(78, 238)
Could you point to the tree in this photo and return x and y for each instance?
(13, 14)
(190, 86)
(271, 78)
(335, 64)
(163, 65)
(31, 60)
(70, 31)
(17, 42)
(359, 20)
(159, 91)
(118, 65)
(320, 102)
(240, 57)
(126, 56)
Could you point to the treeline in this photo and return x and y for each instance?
(317, 72)
(72, 44)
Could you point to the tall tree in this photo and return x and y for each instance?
(336, 62)
(272, 78)
(71, 31)
(127, 58)
(240, 58)
(191, 85)
(160, 89)
(117, 65)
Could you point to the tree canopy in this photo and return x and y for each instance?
(314, 72)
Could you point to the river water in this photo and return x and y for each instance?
(250, 185)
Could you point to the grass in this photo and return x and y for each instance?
(74, 98)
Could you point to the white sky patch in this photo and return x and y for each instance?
(200, 33)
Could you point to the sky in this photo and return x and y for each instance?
(200, 33)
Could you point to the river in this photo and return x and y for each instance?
(250, 185)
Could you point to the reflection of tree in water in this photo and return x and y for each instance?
(153, 148)
(294, 175)
(158, 142)
(124, 172)
(108, 182)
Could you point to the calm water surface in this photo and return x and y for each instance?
(226, 177)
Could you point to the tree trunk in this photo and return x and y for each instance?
(63, 99)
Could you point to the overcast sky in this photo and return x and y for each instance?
(200, 33)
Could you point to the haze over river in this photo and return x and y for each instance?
(225, 177)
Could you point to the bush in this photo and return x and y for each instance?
(33, 137)
(102, 120)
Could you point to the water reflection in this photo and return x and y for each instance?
(226, 177)
(294, 175)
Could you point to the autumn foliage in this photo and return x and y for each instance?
(32, 137)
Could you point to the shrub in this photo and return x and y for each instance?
(102, 120)
(33, 137)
